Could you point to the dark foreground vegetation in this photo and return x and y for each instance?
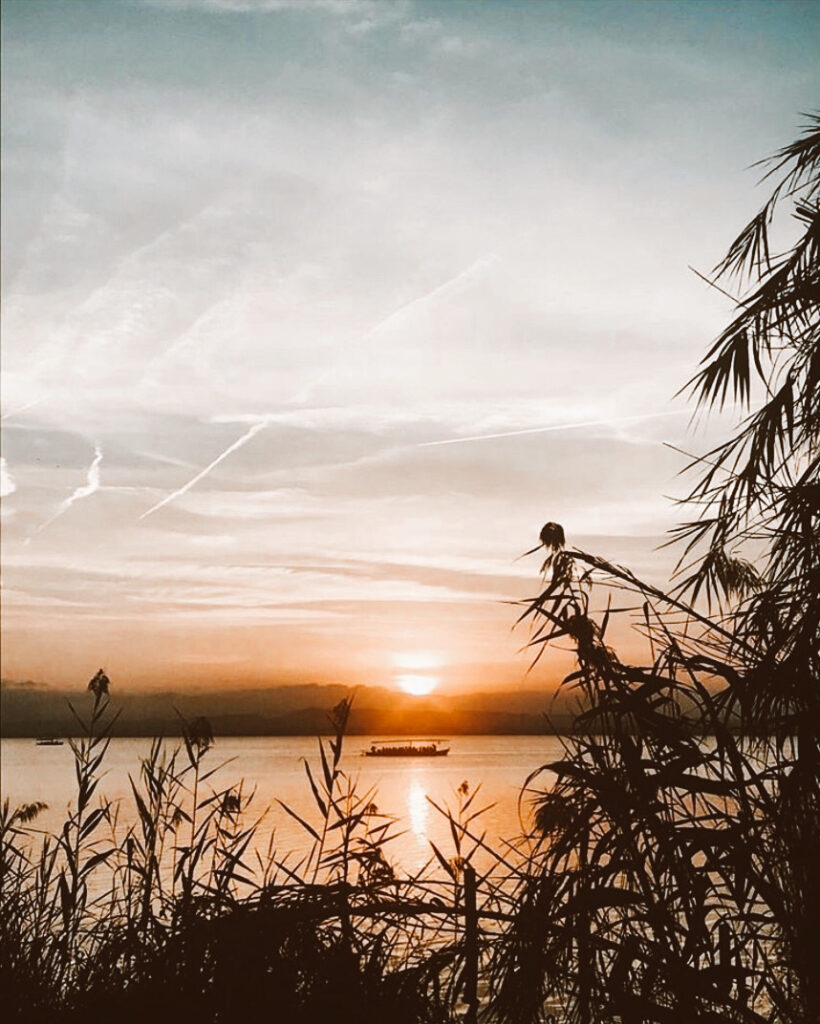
(674, 872)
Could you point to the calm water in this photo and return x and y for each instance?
(275, 766)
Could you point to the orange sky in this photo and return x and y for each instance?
(314, 317)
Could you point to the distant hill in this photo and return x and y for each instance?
(32, 709)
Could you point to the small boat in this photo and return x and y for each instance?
(48, 741)
(407, 748)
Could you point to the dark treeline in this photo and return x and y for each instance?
(668, 879)
(32, 710)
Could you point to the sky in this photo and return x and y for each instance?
(315, 312)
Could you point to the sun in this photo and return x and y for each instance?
(415, 671)
(417, 685)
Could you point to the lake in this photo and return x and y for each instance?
(275, 767)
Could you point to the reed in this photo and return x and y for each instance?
(675, 878)
(181, 913)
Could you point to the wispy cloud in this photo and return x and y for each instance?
(241, 442)
(610, 421)
(7, 484)
(291, 234)
(90, 487)
(255, 6)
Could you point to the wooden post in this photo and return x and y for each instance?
(470, 946)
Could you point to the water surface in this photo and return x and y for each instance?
(274, 767)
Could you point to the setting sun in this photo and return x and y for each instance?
(418, 685)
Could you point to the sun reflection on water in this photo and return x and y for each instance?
(418, 809)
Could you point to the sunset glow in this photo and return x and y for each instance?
(418, 660)
(409, 517)
(418, 685)
(299, 354)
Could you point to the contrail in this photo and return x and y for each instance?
(470, 272)
(22, 408)
(92, 485)
(254, 430)
(555, 426)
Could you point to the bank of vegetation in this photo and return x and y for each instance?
(669, 879)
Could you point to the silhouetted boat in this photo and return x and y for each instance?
(407, 748)
(48, 741)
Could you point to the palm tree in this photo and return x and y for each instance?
(675, 877)
(760, 490)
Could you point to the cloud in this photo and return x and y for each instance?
(236, 6)
(7, 484)
(333, 222)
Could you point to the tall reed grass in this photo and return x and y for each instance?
(181, 915)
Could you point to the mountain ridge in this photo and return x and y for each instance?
(32, 709)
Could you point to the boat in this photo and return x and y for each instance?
(48, 741)
(407, 748)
